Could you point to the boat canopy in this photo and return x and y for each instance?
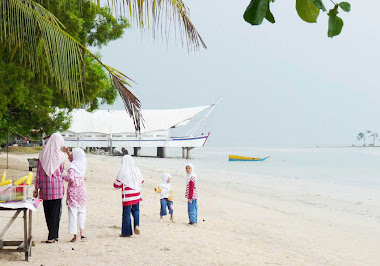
(118, 121)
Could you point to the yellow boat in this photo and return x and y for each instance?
(242, 158)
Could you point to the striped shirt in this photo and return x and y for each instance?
(191, 189)
(50, 187)
(129, 195)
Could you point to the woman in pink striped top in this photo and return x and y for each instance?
(129, 179)
(191, 194)
(49, 183)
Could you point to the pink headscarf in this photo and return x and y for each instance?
(51, 157)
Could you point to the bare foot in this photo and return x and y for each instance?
(74, 239)
(137, 230)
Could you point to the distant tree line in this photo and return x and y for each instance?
(369, 136)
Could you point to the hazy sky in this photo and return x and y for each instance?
(282, 84)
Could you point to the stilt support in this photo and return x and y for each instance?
(161, 152)
(136, 151)
(188, 152)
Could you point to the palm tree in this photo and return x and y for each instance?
(28, 29)
(361, 136)
(374, 135)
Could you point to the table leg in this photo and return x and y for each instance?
(26, 248)
(9, 224)
(30, 237)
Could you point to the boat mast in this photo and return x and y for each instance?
(191, 132)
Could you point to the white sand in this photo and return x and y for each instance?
(270, 226)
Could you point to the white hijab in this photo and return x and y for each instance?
(51, 157)
(129, 174)
(79, 163)
(164, 180)
(192, 174)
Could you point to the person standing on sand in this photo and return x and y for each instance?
(49, 183)
(76, 192)
(166, 196)
(129, 179)
(191, 194)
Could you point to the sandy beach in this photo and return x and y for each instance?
(272, 225)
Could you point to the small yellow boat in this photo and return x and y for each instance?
(242, 158)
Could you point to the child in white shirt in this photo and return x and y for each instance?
(166, 195)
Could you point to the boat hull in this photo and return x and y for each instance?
(94, 140)
(232, 158)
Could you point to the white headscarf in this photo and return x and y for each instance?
(192, 174)
(129, 174)
(164, 180)
(51, 157)
(79, 163)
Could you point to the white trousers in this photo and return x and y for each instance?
(76, 214)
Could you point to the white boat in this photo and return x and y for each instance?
(115, 129)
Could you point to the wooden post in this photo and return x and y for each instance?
(7, 145)
(30, 237)
(26, 247)
(183, 152)
(111, 151)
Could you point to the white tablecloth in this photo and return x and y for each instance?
(17, 205)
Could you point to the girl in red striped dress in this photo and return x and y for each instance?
(129, 179)
(191, 194)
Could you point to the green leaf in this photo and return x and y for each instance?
(335, 24)
(269, 16)
(345, 6)
(256, 11)
(307, 10)
(319, 4)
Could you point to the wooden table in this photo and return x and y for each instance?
(21, 246)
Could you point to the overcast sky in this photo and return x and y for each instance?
(282, 84)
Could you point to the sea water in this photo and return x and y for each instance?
(351, 173)
(356, 166)
(348, 173)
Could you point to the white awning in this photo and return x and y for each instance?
(118, 121)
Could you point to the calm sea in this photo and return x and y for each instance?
(357, 166)
(344, 172)
(347, 173)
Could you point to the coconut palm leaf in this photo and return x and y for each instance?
(164, 13)
(32, 31)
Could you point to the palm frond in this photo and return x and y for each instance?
(165, 13)
(39, 38)
(25, 24)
